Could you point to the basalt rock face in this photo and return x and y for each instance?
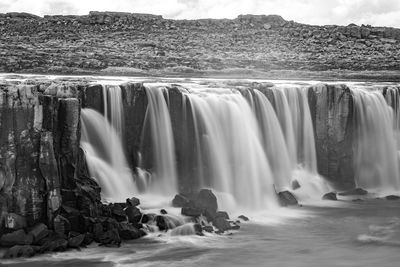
(142, 42)
(332, 114)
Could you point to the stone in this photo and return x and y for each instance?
(180, 201)
(244, 218)
(354, 192)
(54, 243)
(207, 200)
(163, 211)
(192, 212)
(19, 251)
(110, 238)
(295, 185)
(38, 232)
(61, 225)
(15, 221)
(208, 228)
(287, 199)
(392, 197)
(162, 223)
(222, 214)
(76, 241)
(128, 232)
(18, 237)
(221, 224)
(198, 229)
(329, 196)
(134, 215)
(133, 201)
(118, 212)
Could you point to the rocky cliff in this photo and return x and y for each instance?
(136, 43)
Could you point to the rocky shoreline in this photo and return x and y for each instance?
(141, 44)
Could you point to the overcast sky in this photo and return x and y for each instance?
(342, 12)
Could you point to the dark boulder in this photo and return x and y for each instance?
(207, 200)
(134, 215)
(128, 232)
(244, 218)
(198, 229)
(392, 197)
(161, 223)
(295, 184)
(287, 199)
(180, 201)
(110, 238)
(208, 228)
(133, 202)
(18, 237)
(38, 232)
(354, 192)
(221, 224)
(76, 241)
(117, 211)
(53, 242)
(19, 251)
(329, 196)
(222, 214)
(62, 225)
(190, 211)
(163, 211)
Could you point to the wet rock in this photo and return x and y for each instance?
(19, 251)
(15, 221)
(221, 224)
(18, 237)
(128, 232)
(161, 223)
(110, 238)
(244, 218)
(54, 243)
(118, 212)
(287, 199)
(208, 229)
(329, 196)
(61, 225)
(134, 215)
(198, 229)
(163, 211)
(354, 192)
(392, 197)
(180, 201)
(222, 214)
(207, 200)
(38, 232)
(76, 241)
(295, 185)
(132, 201)
(190, 211)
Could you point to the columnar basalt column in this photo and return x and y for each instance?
(332, 113)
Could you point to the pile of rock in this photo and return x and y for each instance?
(202, 207)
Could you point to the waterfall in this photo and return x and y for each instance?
(376, 157)
(101, 140)
(105, 158)
(163, 179)
(273, 140)
(232, 156)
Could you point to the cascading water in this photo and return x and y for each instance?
(163, 179)
(273, 141)
(231, 154)
(376, 157)
(105, 158)
(101, 141)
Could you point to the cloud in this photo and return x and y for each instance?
(342, 12)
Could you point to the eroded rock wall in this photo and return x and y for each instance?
(332, 114)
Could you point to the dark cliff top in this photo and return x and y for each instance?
(142, 44)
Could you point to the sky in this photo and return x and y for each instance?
(319, 12)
